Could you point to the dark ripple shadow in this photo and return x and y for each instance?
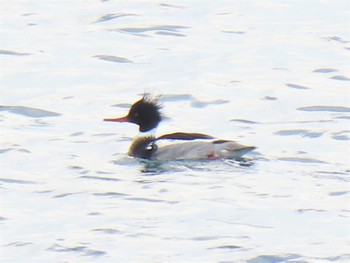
(296, 86)
(29, 112)
(75, 167)
(202, 104)
(340, 77)
(341, 136)
(301, 160)
(341, 176)
(77, 134)
(269, 98)
(6, 150)
(207, 238)
(325, 70)
(109, 17)
(91, 177)
(111, 58)
(103, 172)
(325, 108)
(167, 33)
(226, 247)
(111, 194)
(109, 231)
(66, 194)
(242, 224)
(244, 121)
(14, 181)
(169, 28)
(13, 53)
(306, 210)
(275, 259)
(337, 39)
(172, 6)
(233, 32)
(172, 30)
(122, 105)
(85, 251)
(338, 193)
(148, 200)
(19, 244)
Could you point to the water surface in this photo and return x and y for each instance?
(273, 74)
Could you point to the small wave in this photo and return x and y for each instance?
(100, 178)
(13, 53)
(6, 150)
(29, 112)
(78, 249)
(341, 136)
(172, 6)
(166, 33)
(110, 194)
(337, 39)
(340, 77)
(305, 210)
(325, 108)
(149, 200)
(325, 70)
(113, 58)
(245, 121)
(170, 28)
(300, 160)
(108, 17)
(202, 104)
(107, 231)
(77, 134)
(15, 181)
(338, 193)
(226, 247)
(233, 32)
(65, 195)
(270, 98)
(274, 259)
(19, 244)
(122, 105)
(296, 86)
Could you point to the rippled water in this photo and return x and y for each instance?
(274, 74)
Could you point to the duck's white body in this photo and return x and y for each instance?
(150, 148)
(201, 150)
(185, 146)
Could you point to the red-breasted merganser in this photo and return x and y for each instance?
(146, 113)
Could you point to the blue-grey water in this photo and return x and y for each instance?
(273, 74)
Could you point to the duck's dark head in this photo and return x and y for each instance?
(145, 113)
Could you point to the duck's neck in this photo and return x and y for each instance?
(150, 133)
(144, 146)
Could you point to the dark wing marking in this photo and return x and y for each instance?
(185, 136)
(220, 141)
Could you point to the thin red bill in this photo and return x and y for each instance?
(122, 119)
